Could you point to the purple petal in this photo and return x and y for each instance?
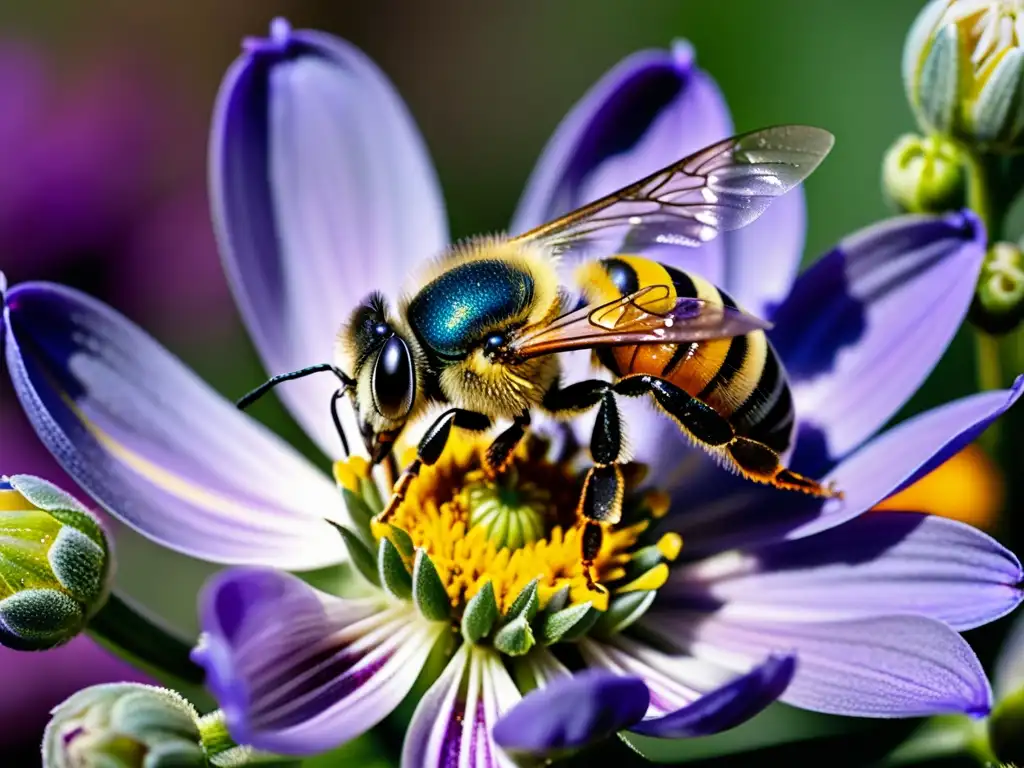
(154, 445)
(1009, 671)
(728, 706)
(884, 563)
(890, 666)
(690, 695)
(298, 672)
(865, 325)
(573, 712)
(908, 452)
(653, 108)
(322, 192)
(454, 721)
(742, 515)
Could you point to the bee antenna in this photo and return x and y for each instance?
(346, 382)
(251, 397)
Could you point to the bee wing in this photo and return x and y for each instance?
(722, 187)
(639, 318)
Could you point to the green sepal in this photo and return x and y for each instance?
(623, 610)
(80, 565)
(360, 554)
(480, 614)
(371, 493)
(403, 541)
(39, 619)
(641, 561)
(567, 624)
(558, 601)
(45, 495)
(394, 576)
(526, 604)
(360, 513)
(515, 638)
(938, 89)
(996, 114)
(428, 590)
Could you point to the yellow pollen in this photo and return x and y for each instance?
(670, 545)
(348, 473)
(436, 514)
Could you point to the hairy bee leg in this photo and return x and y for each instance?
(600, 504)
(752, 458)
(430, 449)
(499, 453)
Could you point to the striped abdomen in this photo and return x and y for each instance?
(740, 378)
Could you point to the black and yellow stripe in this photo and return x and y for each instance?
(741, 378)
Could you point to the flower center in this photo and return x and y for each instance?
(511, 512)
(520, 527)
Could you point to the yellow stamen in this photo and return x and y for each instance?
(348, 472)
(653, 579)
(437, 514)
(670, 545)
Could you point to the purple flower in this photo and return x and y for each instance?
(323, 192)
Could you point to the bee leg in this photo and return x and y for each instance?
(430, 449)
(499, 453)
(600, 504)
(753, 459)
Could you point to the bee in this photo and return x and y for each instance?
(483, 332)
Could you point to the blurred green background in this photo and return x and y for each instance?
(487, 83)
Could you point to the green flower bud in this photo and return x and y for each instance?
(999, 301)
(55, 564)
(924, 174)
(1006, 729)
(124, 725)
(963, 69)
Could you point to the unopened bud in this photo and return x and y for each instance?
(124, 725)
(924, 174)
(55, 564)
(963, 69)
(999, 301)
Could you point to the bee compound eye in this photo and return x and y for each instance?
(394, 383)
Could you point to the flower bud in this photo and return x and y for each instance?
(55, 564)
(999, 301)
(924, 174)
(963, 66)
(124, 725)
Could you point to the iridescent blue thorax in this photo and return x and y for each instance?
(455, 310)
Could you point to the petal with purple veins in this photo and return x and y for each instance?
(691, 696)
(157, 447)
(571, 713)
(882, 563)
(453, 723)
(865, 325)
(322, 192)
(888, 666)
(297, 672)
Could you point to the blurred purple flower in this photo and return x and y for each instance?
(94, 191)
(323, 191)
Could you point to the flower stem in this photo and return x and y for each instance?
(126, 631)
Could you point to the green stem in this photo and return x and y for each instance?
(224, 752)
(125, 630)
(938, 737)
(980, 200)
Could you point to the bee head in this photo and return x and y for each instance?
(383, 363)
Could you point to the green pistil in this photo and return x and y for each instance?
(513, 514)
